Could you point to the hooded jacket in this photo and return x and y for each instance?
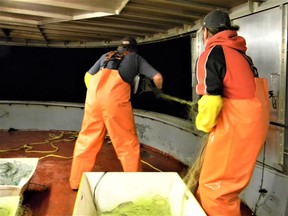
(234, 108)
(223, 70)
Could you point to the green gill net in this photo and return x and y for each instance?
(153, 206)
(192, 176)
(11, 173)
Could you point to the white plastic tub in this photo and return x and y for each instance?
(17, 190)
(10, 205)
(113, 188)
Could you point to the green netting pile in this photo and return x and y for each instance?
(11, 173)
(154, 206)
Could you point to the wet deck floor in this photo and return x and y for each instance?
(48, 193)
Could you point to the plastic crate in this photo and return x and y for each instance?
(108, 190)
(17, 190)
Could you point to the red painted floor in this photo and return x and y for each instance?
(48, 193)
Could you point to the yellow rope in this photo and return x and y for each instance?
(54, 139)
(58, 156)
(151, 165)
(148, 164)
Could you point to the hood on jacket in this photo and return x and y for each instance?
(228, 38)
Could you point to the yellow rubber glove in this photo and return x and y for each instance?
(209, 107)
(87, 79)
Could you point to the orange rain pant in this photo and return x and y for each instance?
(232, 150)
(107, 108)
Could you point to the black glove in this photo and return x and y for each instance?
(157, 92)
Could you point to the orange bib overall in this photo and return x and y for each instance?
(232, 150)
(107, 108)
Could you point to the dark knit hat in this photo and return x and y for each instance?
(129, 43)
(217, 19)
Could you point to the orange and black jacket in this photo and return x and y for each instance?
(223, 70)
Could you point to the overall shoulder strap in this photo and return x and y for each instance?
(253, 68)
(114, 56)
(118, 58)
(108, 57)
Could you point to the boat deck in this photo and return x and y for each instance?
(48, 192)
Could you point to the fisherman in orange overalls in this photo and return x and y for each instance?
(234, 110)
(108, 108)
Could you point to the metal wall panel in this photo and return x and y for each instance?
(171, 135)
(263, 32)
